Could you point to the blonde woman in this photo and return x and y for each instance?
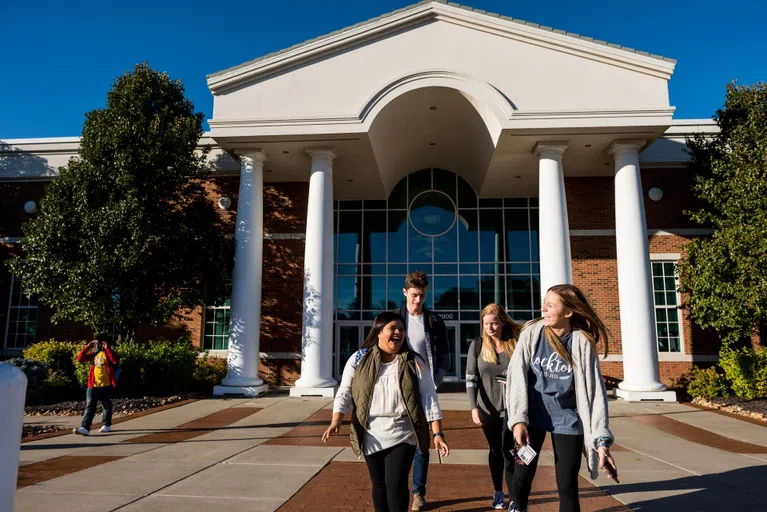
(488, 360)
(556, 386)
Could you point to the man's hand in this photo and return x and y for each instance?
(475, 417)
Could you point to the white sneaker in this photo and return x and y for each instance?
(105, 429)
(81, 431)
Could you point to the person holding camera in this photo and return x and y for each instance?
(101, 384)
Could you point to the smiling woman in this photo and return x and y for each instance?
(392, 402)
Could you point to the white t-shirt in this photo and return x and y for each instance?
(388, 422)
(416, 335)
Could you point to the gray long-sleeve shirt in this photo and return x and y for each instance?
(485, 392)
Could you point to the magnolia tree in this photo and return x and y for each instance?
(726, 273)
(125, 234)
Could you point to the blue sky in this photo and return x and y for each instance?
(60, 58)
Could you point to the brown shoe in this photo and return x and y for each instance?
(419, 502)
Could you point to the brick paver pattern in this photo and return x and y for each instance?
(452, 487)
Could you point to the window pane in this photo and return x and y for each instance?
(673, 315)
(670, 283)
(493, 290)
(373, 292)
(420, 248)
(398, 195)
(673, 329)
(534, 234)
(536, 293)
(518, 268)
(419, 181)
(674, 345)
(445, 292)
(657, 269)
(671, 298)
(663, 344)
(660, 299)
(348, 292)
(444, 181)
(669, 269)
(398, 236)
(491, 235)
(490, 202)
(657, 283)
(517, 236)
(469, 292)
(445, 268)
(467, 198)
(467, 235)
(396, 298)
(446, 246)
(349, 237)
(519, 293)
(375, 237)
(660, 314)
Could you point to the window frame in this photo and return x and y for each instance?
(673, 259)
(206, 308)
(11, 307)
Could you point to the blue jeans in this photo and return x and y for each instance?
(420, 472)
(92, 397)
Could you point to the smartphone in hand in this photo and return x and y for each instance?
(612, 471)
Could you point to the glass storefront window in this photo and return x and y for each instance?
(473, 251)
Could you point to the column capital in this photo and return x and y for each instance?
(254, 155)
(550, 148)
(317, 153)
(619, 146)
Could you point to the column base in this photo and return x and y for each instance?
(297, 391)
(645, 396)
(222, 390)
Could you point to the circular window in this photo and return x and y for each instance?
(432, 213)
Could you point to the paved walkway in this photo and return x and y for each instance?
(265, 454)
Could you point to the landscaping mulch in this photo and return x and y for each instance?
(120, 406)
(754, 408)
(34, 430)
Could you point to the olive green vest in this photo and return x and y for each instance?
(365, 377)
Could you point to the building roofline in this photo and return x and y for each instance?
(428, 8)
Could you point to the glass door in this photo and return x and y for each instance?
(349, 336)
(453, 339)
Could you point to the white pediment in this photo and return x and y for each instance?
(519, 71)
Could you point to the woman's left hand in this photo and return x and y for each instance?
(441, 446)
(606, 459)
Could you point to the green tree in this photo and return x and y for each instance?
(726, 273)
(125, 234)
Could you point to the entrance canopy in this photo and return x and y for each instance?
(437, 85)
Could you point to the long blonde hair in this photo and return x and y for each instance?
(509, 333)
(584, 318)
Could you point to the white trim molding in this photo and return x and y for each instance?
(419, 14)
(287, 356)
(668, 357)
(665, 256)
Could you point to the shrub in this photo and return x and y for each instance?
(208, 372)
(707, 383)
(156, 368)
(59, 356)
(746, 369)
(36, 372)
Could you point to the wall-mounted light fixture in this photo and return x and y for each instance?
(224, 202)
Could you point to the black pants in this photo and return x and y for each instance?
(92, 397)
(567, 463)
(501, 442)
(389, 470)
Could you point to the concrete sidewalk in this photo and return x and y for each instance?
(265, 454)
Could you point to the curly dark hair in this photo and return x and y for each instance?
(416, 279)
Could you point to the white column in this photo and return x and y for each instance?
(641, 378)
(245, 313)
(554, 229)
(13, 387)
(317, 333)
